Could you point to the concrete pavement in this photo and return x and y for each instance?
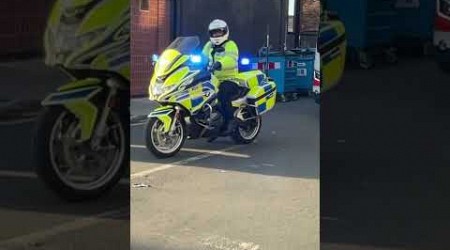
(221, 196)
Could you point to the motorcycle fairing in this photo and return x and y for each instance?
(164, 114)
(75, 97)
(191, 97)
(262, 94)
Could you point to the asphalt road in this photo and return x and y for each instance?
(384, 158)
(221, 196)
(31, 216)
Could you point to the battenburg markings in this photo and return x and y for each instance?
(182, 97)
(73, 95)
(197, 101)
(332, 54)
(262, 107)
(327, 35)
(161, 112)
(269, 93)
(334, 43)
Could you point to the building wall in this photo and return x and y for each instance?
(22, 24)
(247, 20)
(310, 15)
(150, 34)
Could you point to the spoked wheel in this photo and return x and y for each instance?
(75, 169)
(247, 132)
(164, 145)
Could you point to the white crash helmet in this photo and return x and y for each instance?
(218, 32)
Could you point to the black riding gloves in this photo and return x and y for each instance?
(217, 66)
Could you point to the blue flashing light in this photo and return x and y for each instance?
(155, 58)
(196, 59)
(245, 61)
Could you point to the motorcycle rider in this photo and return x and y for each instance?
(223, 57)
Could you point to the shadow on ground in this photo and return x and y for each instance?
(288, 145)
(384, 157)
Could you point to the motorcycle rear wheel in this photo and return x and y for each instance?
(246, 133)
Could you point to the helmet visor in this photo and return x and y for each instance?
(217, 32)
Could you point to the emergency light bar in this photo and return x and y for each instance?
(245, 61)
(196, 59)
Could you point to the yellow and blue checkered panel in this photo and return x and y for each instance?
(194, 98)
(263, 91)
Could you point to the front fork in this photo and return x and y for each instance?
(101, 128)
(168, 115)
(176, 116)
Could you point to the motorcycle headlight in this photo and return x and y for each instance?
(157, 89)
(61, 42)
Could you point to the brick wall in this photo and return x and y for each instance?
(22, 24)
(310, 15)
(150, 34)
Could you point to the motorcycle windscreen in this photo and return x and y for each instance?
(176, 54)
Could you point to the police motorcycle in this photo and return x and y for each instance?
(82, 138)
(186, 89)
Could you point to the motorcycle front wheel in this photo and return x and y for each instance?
(73, 169)
(164, 145)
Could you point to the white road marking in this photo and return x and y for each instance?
(223, 243)
(32, 175)
(17, 122)
(92, 220)
(178, 163)
(204, 151)
(137, 124)
(63, 228)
